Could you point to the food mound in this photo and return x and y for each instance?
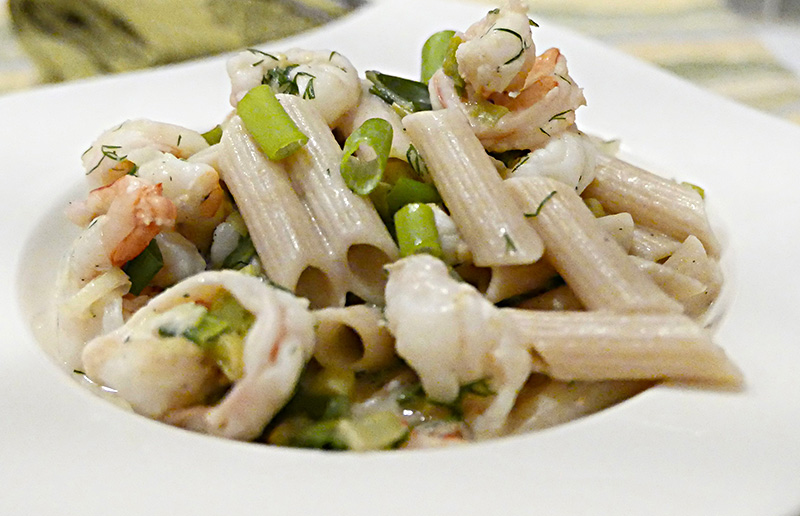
(364, 263)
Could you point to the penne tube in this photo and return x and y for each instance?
(291, 248)
(651, 244)
(543, 403)
(620, 226)
(559, 298)
(486, 215)
(587, 258)
(513, 280)
(354, 338)
(652, 201)
(348, 221)
(685, 289)
(605, 346)
(691, 260)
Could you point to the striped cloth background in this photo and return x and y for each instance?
(700, 40)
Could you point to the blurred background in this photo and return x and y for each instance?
(748, 50)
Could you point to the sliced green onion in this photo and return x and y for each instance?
(405, 95)
(487, 113)
(241, 255)
(450, 65)
(144, 267)
(416, 230)
(696, 188)
(407, 191)
(434, 52)
(362, 175)
(375, 431)
(378, 198)
(207, 329)
(214, 135)
(268, 123)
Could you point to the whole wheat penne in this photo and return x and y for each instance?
(590, 261)
(604, 346)
(559, 298)
(353, 337)
(349, 222)
(512, 280)
(486, 215)
(652, 201)
(691, 259)
(292, 250)
(679, 286)
(543, 403)
(651, 244)
(620, 226)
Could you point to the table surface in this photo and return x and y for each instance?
(733, 48)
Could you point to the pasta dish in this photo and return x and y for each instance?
(358, 261)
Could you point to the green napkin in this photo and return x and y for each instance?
(68, 39)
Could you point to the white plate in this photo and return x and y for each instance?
(671, 451)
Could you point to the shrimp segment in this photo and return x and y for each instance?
(173, 379)
(325, 79)
(451, 336)
(497, 51)
(136, 212)
(513, 98)
(120, 150)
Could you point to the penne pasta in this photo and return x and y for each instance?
(293, 252)
(354, 338)
(593, 265)
(544, 403)
(620, 226)
(651, 244)
(349, 222)
(513, 280)
(604, 346)
(559, 298)
(487, 217)
(653, 201)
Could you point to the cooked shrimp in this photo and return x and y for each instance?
(497, 51)
(120, 150)
(125, 216)
(135, 210)
(327, 80)
(544, 107)
(569, 157)
(195, 190)
(175, 380)
(451, 336)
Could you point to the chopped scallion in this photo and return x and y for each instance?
(407, 191)
(268, 123)
(144, 267)
(416, 230)
(363, 172)
(434, 52)
(405, 95)
(214, 135)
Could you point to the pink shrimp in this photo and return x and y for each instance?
(135, 212)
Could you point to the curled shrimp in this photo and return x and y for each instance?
(517, 107)
(164, 375)
(327, 80)
(450, 335)
(119, 222)
(122, 149)
(497, 51)
(195, 190)
(134, 212)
